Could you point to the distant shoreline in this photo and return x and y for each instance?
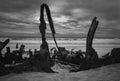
(74, 38)
(57, 36)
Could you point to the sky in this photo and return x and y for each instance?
(71, 18)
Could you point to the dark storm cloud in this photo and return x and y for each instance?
(19, 5)
(69, 16)
(15, 15)
(107, 12)
(108, 9)
(18, 9)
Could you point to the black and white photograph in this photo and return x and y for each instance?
(59, 40)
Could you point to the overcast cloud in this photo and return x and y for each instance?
(70, 17)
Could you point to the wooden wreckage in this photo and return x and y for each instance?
(42, 62)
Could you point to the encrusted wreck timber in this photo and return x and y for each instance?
(3, 69)
(90, 52)
(41, 61)
(2, 45)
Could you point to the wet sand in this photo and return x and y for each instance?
(105, 73)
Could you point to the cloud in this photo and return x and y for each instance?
(19, 5)
(69, 16)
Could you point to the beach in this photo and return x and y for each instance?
(105, 73)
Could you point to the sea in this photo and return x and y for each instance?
(101, 45)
